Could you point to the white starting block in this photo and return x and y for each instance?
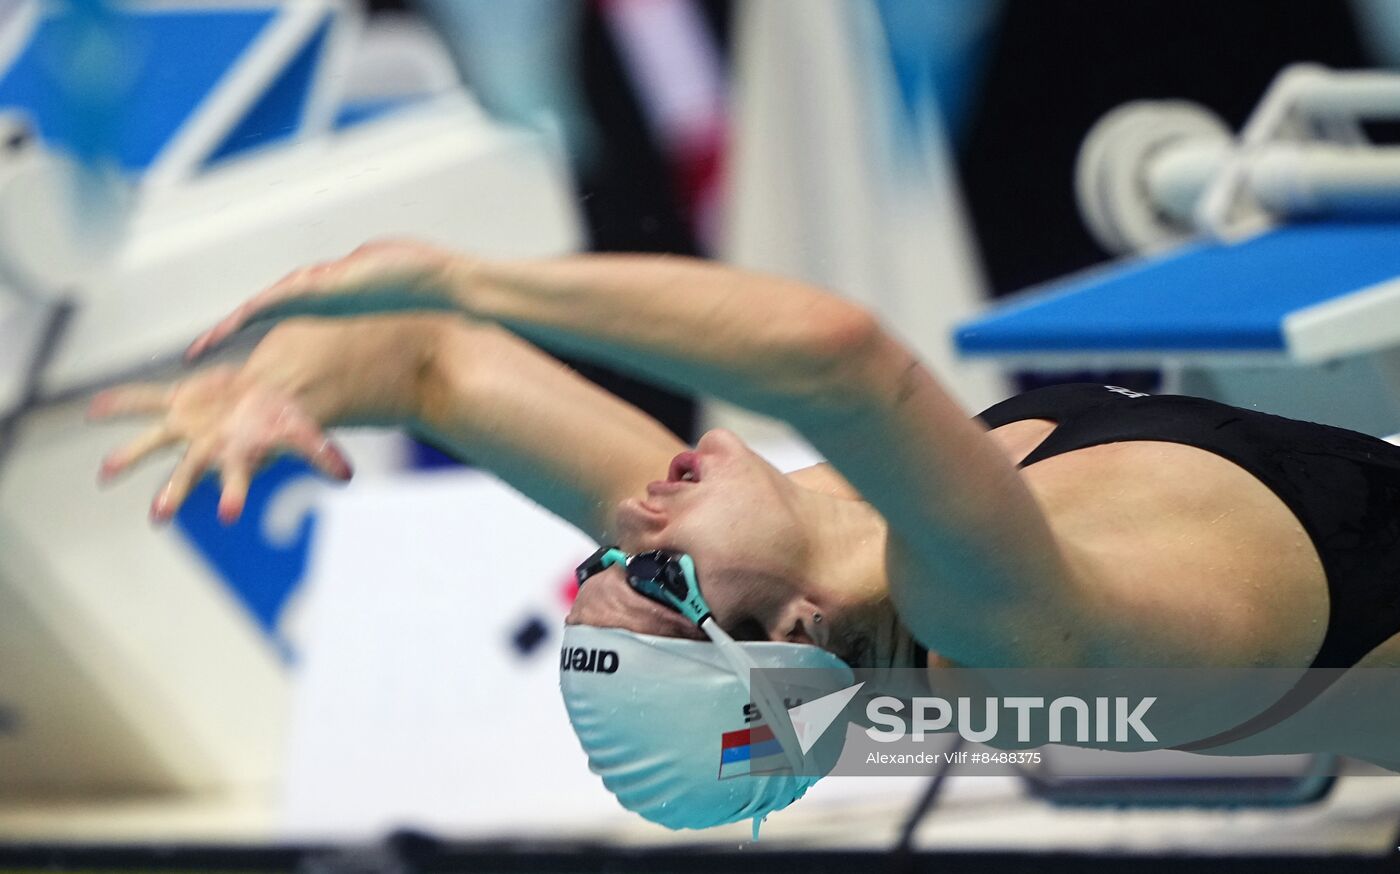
(134, 661)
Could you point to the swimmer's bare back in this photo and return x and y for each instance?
(1183, 516)
(1179, 533)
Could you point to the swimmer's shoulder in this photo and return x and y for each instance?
(824, 478)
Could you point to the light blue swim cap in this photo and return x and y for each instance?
(653, 713)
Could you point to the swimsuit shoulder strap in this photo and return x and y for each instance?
(1071, 407)
(1056, 402)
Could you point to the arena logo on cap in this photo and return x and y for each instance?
(589, 661)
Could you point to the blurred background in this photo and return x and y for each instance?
(347, 664)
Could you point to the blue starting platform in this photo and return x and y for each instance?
(1299, 294)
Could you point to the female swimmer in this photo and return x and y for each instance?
(1074, 526)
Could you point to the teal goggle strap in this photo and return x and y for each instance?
(666, 577)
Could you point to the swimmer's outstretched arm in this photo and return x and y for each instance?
(475, 389)
(994, 583)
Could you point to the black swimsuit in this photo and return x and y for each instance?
(1343, 486)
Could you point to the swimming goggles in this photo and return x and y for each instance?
(661, 575)
(669, 577)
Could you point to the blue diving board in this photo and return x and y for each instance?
(1306, 292)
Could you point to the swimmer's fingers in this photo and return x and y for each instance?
(302, 439)
(305, 439)
(237, 476)
(124, 458)
(130, 400)
(187, 474)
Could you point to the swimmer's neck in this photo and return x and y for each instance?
(844, 566)
(845, 543)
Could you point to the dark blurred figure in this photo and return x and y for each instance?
(628, 193)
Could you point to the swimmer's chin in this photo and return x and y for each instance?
(635, 515)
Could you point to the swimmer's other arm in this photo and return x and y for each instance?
(975, 566)
(477, 390)
(557, 438)
(994, 584)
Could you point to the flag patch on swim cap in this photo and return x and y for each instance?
(750, 751)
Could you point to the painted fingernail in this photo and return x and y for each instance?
(339, 464)
(334, 460)
(160, 510)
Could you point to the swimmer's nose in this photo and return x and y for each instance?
(719, 440)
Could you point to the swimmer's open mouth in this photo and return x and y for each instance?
(685, 467)
(683, 474)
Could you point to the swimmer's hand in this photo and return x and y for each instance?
(387, 276)
(232, 419)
